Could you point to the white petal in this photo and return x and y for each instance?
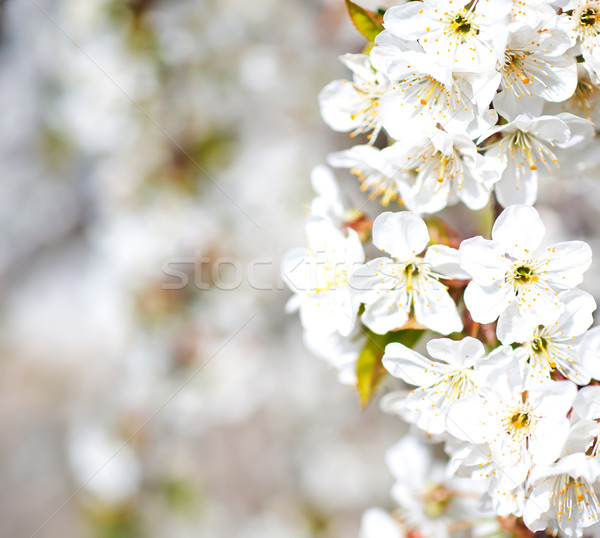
(460, 353)
(509, 105)
(537, 504)
(387, 313)
(580, 129)
(577, 315)
(325, 237)
(550, 128)
(589, 352)
(339, 101)
(519, 184)
(475, 190)
(486, 303)
(483, 260)
(566, 262)
(410, 366)
(403, 234)
(328, 202)
(445, 261)
(515, 327)
(519, 229)
(468, 420)
(356, 156)
(369, 281)
(435, 309)
(377, 523)
(407, 21)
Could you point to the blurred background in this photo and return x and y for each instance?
(141, 140)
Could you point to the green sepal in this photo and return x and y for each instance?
(369, 369)
(368, 23)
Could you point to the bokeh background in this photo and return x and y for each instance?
(139, 133)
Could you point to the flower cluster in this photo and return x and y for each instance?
(477, 102)
(465, 91)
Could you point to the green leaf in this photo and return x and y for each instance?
(368, 23)
(369, 370)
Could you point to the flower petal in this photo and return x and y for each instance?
(410, 366)
(519, 229)
(486, 303)
(445, 261)
(435, 309)
(483, 260)
(403, 235)
(566, 262)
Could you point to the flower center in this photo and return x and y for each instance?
(539, 344)
(522, 141)
(514, 66)
(460, 25)
(588, 17)
(584, 97)
(574, 500)
(411, 271)
(327, 275)
(520, 420)
(377, 183)
(436, 501)
(524, 275)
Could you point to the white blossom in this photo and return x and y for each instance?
(393, 288)
(522, 427)
(423, 94)
(562, 497)
(429, 501)
(376, 523)
(318, 276)
(440, 169)
(552, 344)
(535, 69)
(440, 380)
(374, 168)
(581, 21)
(354, 105)
(525, 146)
(514, 267)
(464, 35)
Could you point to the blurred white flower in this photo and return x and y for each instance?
(376, 523)
(103, 464)
(318, 275)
